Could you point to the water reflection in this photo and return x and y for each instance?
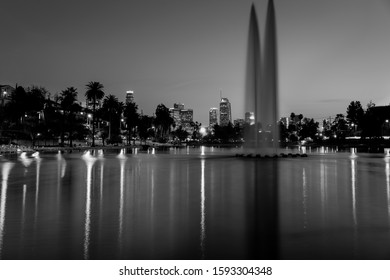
(353, 183)
(122, 161)
(323, 189)
(61, 169)
(202, 210)
(38, 172)
(353, 153)
(354, 208)
(173, 206)
(26, 161)
(89, 161)
(387, 169)
(5, 170)
(305, 196)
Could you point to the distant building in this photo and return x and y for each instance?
(285, 121)
(250, 118)
(225, 112)
(182, 117)
(378, 118)
(213, 117)
(5, 94)
(175, 114)
(89, 103)
(187, 118)
(179, 106)
(239, 122)
(129, 96)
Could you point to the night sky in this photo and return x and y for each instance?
(330, 52)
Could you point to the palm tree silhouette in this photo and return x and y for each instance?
(95, 93)
(69, 105)
(112, 108)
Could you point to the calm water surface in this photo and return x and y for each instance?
(195, 203)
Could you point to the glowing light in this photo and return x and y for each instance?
(6, 168)
(353, 181)
(89, 161)
(353, 153)
(121, 199)
(202, 210)
(388, 184)
(202, 131)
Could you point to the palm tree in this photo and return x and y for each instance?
(163, 120)
(112, 108)
(132, 118)
(69, 105)
(95, 93)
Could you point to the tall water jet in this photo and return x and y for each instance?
(253, 77)
(263, 136)
(261, 84)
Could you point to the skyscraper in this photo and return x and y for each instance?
(225, 112)
(213, 117)
(129, 96)
(187, 116)
(182, 117)
(175, 113)
(250, 118)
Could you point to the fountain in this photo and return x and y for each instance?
(261, 86)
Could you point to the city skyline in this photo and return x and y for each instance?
(329, 53)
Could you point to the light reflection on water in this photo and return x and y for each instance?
(5, 170)
(202, 209)
(192, 203)
(89, 161)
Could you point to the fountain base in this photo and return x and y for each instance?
(281, 155)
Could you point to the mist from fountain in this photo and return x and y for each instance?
(261, 85)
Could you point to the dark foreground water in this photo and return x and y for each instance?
(194, 204)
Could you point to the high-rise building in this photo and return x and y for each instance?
(179, 106)
(175, 114)
(182, 117)
(250, 118)
(239, 122)
(225, 112)
(129, 96)
(213, 117)
(5, 94)
(187, 117)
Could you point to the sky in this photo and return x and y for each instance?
(180, 51)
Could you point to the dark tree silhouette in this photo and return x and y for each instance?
(112, 110)
(132, 119)
(355, 113)
(95, 93)
(163, 120)
(69, 107)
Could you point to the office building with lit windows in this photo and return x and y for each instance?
(213, 117)
(129, 96)
(225, 112)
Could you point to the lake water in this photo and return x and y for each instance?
(194, 203)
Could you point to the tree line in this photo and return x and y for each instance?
(33, 114)
(357, 122)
